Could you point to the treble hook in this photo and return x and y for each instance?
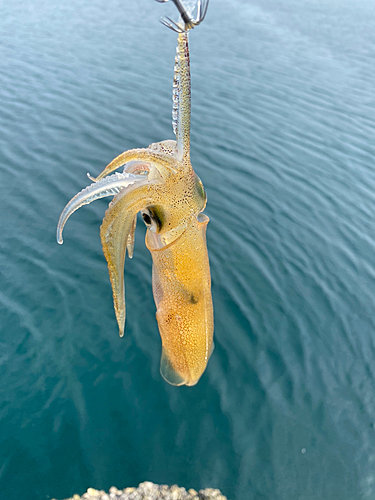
(188, 20)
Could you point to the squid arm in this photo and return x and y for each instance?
(165, 162)
(107, 187)
(117, 234)
(131, 194)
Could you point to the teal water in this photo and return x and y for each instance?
(283, 138)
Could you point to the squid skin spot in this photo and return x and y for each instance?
(193, 299)
(169, 319)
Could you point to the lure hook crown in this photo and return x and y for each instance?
(188, 20)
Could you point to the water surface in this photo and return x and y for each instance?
(283, 136)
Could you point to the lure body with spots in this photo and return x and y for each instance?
(160, 182)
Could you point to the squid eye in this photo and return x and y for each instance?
(147, 219)
(152, 217)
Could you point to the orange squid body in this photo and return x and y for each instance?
(182, 292)
(159, 181)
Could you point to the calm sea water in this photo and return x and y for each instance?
(283, 137)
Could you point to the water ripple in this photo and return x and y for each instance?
(283, 139)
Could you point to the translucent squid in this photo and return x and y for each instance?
(160, 182)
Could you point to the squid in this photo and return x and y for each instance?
(160, 183)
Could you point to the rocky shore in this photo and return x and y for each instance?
(151, 491)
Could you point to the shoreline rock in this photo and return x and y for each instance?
(151, 491)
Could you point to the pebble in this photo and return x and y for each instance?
(151, 491)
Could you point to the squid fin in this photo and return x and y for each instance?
(168, 372)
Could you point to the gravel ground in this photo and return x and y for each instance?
(151, 491)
